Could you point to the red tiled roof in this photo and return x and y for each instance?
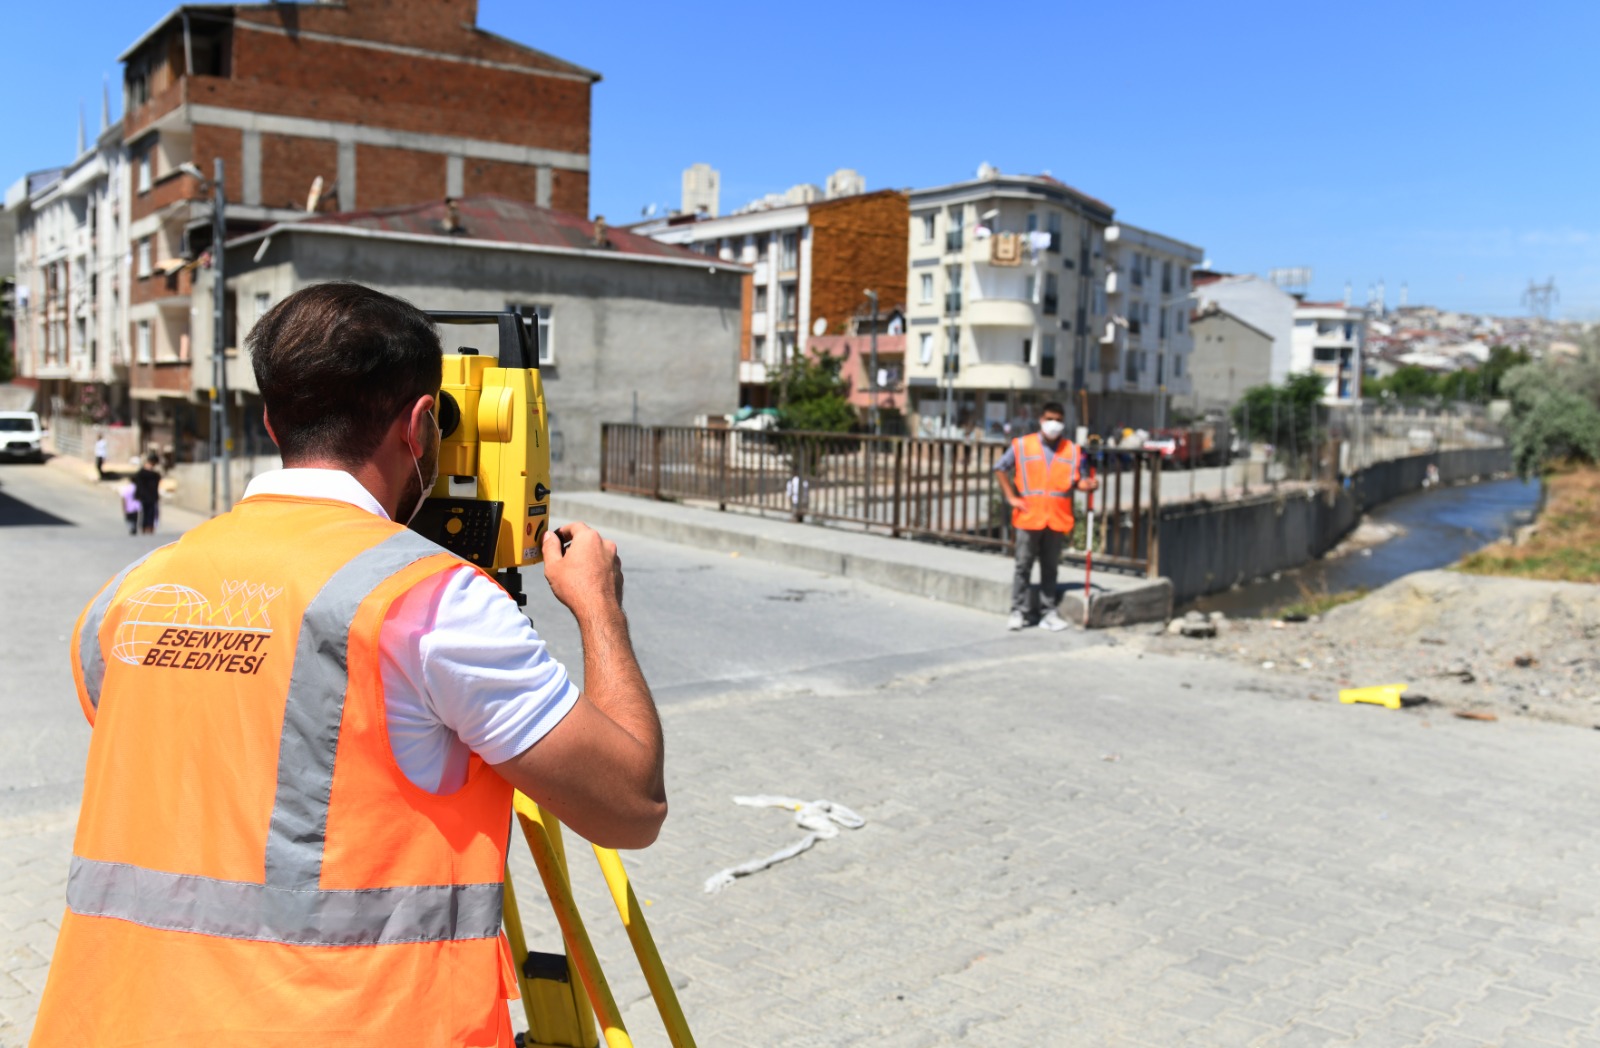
(501, 219)
(1202, 279)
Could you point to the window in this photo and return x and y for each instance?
(952, 351)
(144, 171)
(925, 347)
(142, 342)
(760, 303)
(1166, 277)
(786, 301)
(1033, 222)
(1027, 352)
(927, 228)
(1183, 320)
(1047, 356)
(547, 353)
(785, 346)
(1051, 299)
(789, 258)
(1324, 354)
(1130, 371)
(758, 348)
(1149, 265)
(1053, 223)
(263, 303)
(1029, 286)
(952, 297)
(144, 257)
(1163, 331)
(927, 287)
(1177, 366)
(1136, 272)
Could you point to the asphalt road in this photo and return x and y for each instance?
(1067, 842)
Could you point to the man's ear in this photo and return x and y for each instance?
(266, 420)
(414, 440)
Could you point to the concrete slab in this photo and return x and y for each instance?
(955, 576)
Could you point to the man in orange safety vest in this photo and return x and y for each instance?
(1048, 468)
(307, 724)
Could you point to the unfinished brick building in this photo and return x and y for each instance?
(355, 104)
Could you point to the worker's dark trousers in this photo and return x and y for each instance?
(1045, 547)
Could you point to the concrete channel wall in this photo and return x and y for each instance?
(1207, 547)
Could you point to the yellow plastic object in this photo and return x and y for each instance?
(1379, 695)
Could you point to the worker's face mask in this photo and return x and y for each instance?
(1052, 428)
(430, 453)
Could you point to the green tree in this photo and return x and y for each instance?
(1286, 415)
(1410, 384)
(814, 396)
(1555, 411)
(8, 370)
(1501, 360)
(1461, 385)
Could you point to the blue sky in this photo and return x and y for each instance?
(1451, 146)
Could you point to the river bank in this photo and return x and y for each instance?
(1490, 647)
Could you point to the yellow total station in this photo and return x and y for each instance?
(491, 504)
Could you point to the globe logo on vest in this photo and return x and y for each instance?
(177, 626)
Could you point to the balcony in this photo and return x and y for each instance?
(1115, 336)
(1001, 312)
(1113, 283)
(952, 303)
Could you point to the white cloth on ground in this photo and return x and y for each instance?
(821, 818)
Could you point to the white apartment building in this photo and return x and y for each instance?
(1329, 338)
(1145, 346)
(72, 272)
(1264, 307)
(1003, 312)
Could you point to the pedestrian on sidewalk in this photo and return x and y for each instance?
(307, 725)
(147, 489)
(100, 449)
(130, 505)
(1048, 468)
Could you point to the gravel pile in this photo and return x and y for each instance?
(1489, 646)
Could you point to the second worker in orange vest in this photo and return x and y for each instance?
(1047, 470)
(307, 724)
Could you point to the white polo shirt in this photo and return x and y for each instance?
(463, 669)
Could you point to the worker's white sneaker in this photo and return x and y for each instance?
(1052, 622)
(1016, 621)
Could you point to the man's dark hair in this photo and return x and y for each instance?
(1053, 405)
(336, 363)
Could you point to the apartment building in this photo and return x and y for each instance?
(1230, 356)
(1263, 306)
(72, 286)
(1145, 346)
(813, 257)
(1330, 339)
(321, 107)
(1004, 299)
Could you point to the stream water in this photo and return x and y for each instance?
(1441, 526)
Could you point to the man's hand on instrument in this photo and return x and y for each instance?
(583, 569)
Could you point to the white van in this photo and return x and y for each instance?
(20, 436)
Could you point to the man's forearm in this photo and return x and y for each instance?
(613, 681)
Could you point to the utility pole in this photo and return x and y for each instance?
(219, 353)
(872, 377)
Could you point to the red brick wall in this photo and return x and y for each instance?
(747, 292)
(858, 242)
(390, 177)
(289, 165)
(569, 191)
(228, 143)
(518, 181)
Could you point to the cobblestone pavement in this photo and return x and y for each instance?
(1067, 843)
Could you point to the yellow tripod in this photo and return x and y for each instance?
(558, 1017)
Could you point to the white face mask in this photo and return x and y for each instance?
(427, 486)
(1052, 428)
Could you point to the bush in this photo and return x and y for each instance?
(1554, 415)
(813, 395)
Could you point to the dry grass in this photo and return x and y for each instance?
(1566, 545)
(1320, 601)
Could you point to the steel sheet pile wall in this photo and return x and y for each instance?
(1208, 547)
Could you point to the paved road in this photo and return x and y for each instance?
(1066, 843)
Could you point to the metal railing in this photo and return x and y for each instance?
(940, 490)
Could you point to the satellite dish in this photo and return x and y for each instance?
(819, 326)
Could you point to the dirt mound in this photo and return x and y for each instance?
(1507, 646)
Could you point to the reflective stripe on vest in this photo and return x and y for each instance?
(90, 657)
(296, 917)
(290, 907)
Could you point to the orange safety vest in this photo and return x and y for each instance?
(250, 861)
(1045, 487)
